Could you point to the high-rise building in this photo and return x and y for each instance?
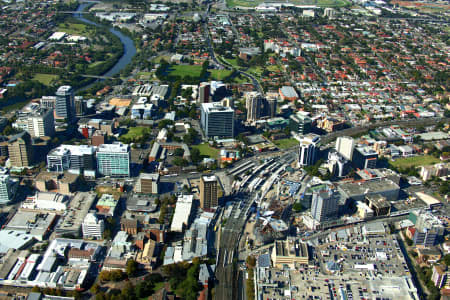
(41, 123)
(365, 158)
(271, 107)
(253, 103)
(439, 276)
(92, 227)
(208, 192)
(76, 158)
(329, 13)
(8, 188)
(345, 146)
(114, 160)
(429, 229)
(148, 183)
(65, 104)
(324, 204)
(204, 92)
(38, 122)
(300, 123)
(217, 120)
(48, 102)
(80, 106)
(20, 150)
(308, 150)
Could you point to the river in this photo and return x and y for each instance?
(129, 50)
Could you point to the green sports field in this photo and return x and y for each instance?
(414, 161)
(46, 79)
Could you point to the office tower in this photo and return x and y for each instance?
(217, 120)
(75, 158)
(300, 124)
(271, 107)
(324, 204)
(439, 276)
(204, 92)
(114, 160)
(228, 102)
(365, 158)
(48, 102)
(253, 103)
(429, 229)
(92, 227)
(41, 123)
(20, 150)
(64, 105)
(329, 12)
(308, 150)
(345, 146)
(208, 192)
(148, 183)
(80, 106)
(8, 188)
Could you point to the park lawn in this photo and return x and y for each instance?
(241, 79)
(414, 161)
(206, 149)
(161, 57)
(75, 29)
(232, 61)
(46, 79)
(134, 133)
(286, 143)
(256, 70)
(185, 70)
(273, 68)
(96, 63)
(219, 74)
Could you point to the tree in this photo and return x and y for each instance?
(128, 291)
(95, 289)
(178, 161)
(251, 261)
(447, 259)
(297, 207)
(132, 268)
(191, 137)
(178, 152)
(195, 156)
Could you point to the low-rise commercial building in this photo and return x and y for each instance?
(290, 253)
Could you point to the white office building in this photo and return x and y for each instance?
(8, 188)
(345, 146)
(92, 227)
(324, 204)
(308, 150)
(182, 213)
(75, 158)
(46, 201)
